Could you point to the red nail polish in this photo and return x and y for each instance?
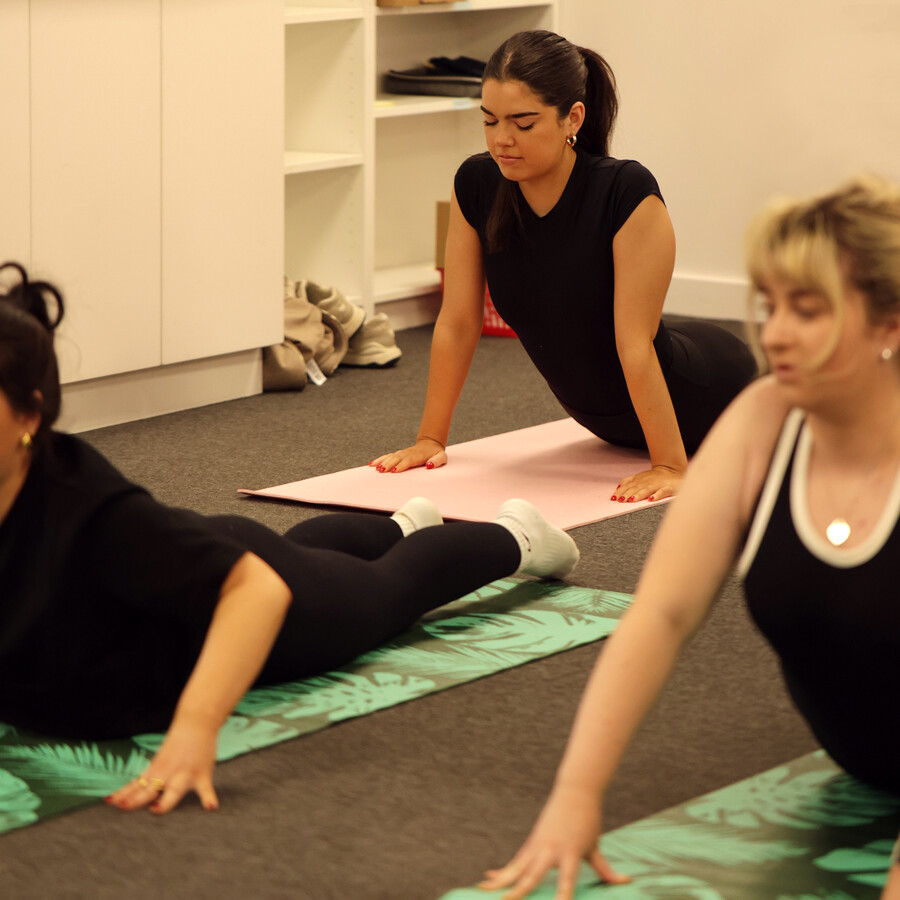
(651, 498)
(631, 499)
(613, 498)
(156, 806)
(621, 499)
(211, 806)
(394, 469)
(380, 468)
(429, 465)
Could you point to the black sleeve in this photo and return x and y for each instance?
(474, 190)
(633, 184)
(161, 560)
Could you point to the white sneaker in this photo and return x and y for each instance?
(547, 551)
(416, 514)
(374, 344)
(334, 302)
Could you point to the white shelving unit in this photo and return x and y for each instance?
(364, 169)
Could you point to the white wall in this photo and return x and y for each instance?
(729, 104)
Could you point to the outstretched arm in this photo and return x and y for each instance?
(644, 257)
(456, 335)
(892, 888)
(251, 608)
(691, 556)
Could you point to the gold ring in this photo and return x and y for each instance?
(143, 782)
(158, 784)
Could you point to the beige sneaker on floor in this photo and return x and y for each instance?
(374, 344)
(336, 304)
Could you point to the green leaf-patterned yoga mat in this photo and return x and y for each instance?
(500, 626)
(802, 831)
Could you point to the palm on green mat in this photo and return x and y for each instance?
(505, 624)
(802, 831)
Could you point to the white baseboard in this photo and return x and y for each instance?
(165, 389)
(707, 297)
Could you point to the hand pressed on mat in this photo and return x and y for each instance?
(653, 484)
(425, 452)
(184, 763)
(566, 832)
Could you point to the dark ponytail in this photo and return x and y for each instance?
(28, 367)
(560, 74)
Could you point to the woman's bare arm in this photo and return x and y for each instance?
(251, 609)
(644, 257)
(456, 335)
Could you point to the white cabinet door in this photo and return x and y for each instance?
(95, 177)
(15, 149)
(222, 164)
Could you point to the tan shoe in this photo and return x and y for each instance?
(374, 345)
(336, 304)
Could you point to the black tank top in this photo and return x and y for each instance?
(831, 615)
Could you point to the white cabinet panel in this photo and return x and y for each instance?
(222, 182)
(15, 213)
(95, 176)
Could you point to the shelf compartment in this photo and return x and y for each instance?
(324, 230)
(403, 282)
(296, 162)
(325, 64)
(425, 152)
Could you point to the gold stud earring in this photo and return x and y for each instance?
(571, 139)
(26, 442)
(887, 353)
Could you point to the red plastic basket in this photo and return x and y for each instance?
(493, 324)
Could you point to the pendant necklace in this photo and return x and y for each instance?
(837, 531)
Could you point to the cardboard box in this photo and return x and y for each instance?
(440, 241)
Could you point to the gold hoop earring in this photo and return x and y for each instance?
(26, 442)
(571, 140)
(886, 354)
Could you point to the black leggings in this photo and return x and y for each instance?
(357, 582)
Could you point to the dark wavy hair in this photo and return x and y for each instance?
(29, 374)
(560, 74)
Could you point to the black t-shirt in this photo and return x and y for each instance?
(554, 285)
(105, 597)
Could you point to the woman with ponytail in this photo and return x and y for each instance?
(578, 251)
(120, 616)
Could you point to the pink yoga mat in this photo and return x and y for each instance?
(560, 467)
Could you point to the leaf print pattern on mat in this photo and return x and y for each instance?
(456, 660)
(82, 770)
(819, 895)
(238, 735)
(535, 631)
(867, 865)
(653, 887)
(806, 800)
(660, 843)
(67, 776)
(17, 802)
(342, 695)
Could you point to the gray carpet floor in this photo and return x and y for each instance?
(409, 802)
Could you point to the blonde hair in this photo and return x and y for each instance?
(812, 243)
